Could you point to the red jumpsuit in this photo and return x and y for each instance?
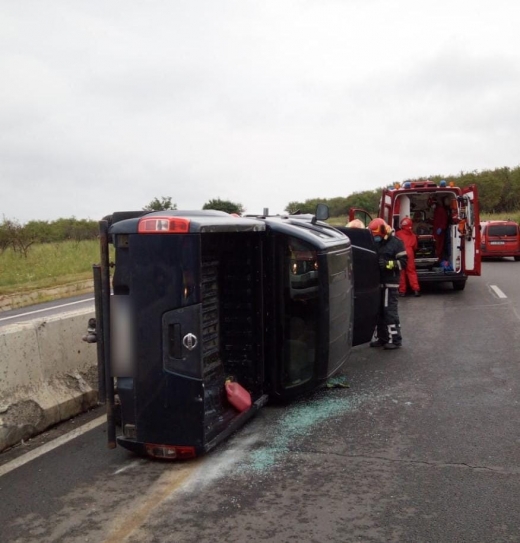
(409, 274)
(440, 223)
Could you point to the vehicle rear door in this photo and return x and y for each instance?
(471, 244)
(502, 238)
(386, 209)
(366, 283)
(361, 214)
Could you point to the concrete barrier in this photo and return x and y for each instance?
(47, 374)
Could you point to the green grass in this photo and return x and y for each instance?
(515, 216)
(338, 221)
(54, 264)
(47, 265)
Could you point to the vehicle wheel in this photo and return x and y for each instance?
(517, 258)
(459, 285)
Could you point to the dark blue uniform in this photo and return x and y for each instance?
(392, 259)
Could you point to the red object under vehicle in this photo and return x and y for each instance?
(238, 396)
(500, 239)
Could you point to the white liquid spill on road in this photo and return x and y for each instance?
(219, 464)
(264, 450)
(131, 465)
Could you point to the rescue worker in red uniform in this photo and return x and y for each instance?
(392, 259)
(409, 274)
(440, 225)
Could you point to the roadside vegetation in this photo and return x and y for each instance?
(54, 264)
(42, 254)
(45, 254)
(499, 194)
(47, 265)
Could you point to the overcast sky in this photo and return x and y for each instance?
(105, 105)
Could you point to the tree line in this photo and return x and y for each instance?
(499, 192)
(21, 237)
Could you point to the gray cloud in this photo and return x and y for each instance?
(108, 105)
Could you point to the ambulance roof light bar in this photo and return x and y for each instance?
(416, 185)
(420, 184)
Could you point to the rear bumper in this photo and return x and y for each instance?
(187, 450)
(498, 254)
(440, 277)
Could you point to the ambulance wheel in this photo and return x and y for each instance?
(459, 285)
(517, 258)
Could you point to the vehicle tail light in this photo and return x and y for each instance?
(170, 452)
(163, 225)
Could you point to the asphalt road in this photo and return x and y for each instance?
(46, 309)
(423, 447)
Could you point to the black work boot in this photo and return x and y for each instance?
(377, 343)
(416, 293)
(390, 346)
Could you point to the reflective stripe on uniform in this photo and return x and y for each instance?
(392, 331)
(398, 256)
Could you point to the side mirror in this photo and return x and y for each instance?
(322, 213)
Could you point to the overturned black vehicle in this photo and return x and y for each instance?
(203, 317)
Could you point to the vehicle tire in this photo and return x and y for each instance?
(517, 258)
(459, 285)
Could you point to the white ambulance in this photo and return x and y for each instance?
(449, 246)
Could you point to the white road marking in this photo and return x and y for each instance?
(46, 309)
(18, 462)
(497, 291)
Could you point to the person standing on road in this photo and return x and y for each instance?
(440, 224)
(409, 274)
(392, 259)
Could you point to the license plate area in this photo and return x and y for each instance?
(497, 242)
